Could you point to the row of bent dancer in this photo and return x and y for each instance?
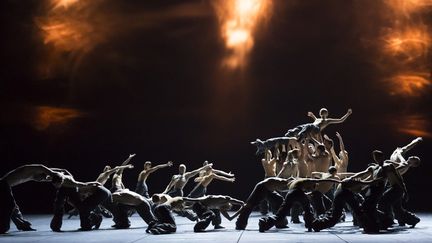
(92, 199)
(303, 166)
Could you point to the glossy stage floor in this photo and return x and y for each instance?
(343, 232)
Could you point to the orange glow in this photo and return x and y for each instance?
(413, 84)
(47, 116)
(63, 3)
(409, 44)
(414, 125)
(68, 35)
(239, 19)
(406, 7)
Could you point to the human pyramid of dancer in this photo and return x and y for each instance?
(303, 176)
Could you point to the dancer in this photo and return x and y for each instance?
(201, 189)
(341, 161)
(347, 192)
(398, 153)
(178, 182)
(203, 206)
(315, 128)
(85, 197)
(396, 193)
(20, 175)
(318, 196)
(141, 186)
(266, 189)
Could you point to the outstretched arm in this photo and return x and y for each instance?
(157, 167)
(317, 175)
(340, 120)
(105, 175)
(64, 171)
(220, 172)
(411, 145)
(223, 178)
(69, 181)
(190, 174)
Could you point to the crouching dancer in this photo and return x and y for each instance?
(208, 207)
(266, 189)
(20, 175)
(84, 196)
(297, 192)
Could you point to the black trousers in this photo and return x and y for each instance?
(320, 202)
(296, 195)
(391, 202)
(371, 221)
(8, 205)
(342, 197)
(142, 189)
(85, 207)
(259, 193)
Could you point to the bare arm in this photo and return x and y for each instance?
(69, 181)
(411, 145)
(340, 120)
(317, 174)
(220, 172)
(190, 174)
(336, 159)
(66, 172)
(363, 174)
(234, 215)
(341, 143)
(223, 178)
(128, 159)
(170, 185)
(311, 115)
(157, 167)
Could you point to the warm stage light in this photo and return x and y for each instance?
(239, 20)
(47, 116)
(410, 84)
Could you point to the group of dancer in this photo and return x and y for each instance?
(304, 175)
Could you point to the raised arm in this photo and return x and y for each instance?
(311, 115)
(412, 144)
(340, 120)
(128, 159)
(341, 143)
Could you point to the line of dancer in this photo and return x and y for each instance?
(303, 176)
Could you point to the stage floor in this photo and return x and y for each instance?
(343, 232)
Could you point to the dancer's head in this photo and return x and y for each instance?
(332, 170)
(378, 157)
(182, 169)
(106, 168)
(147, 165)
(323, 113)
(414, 161)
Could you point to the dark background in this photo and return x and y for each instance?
(153, 84)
